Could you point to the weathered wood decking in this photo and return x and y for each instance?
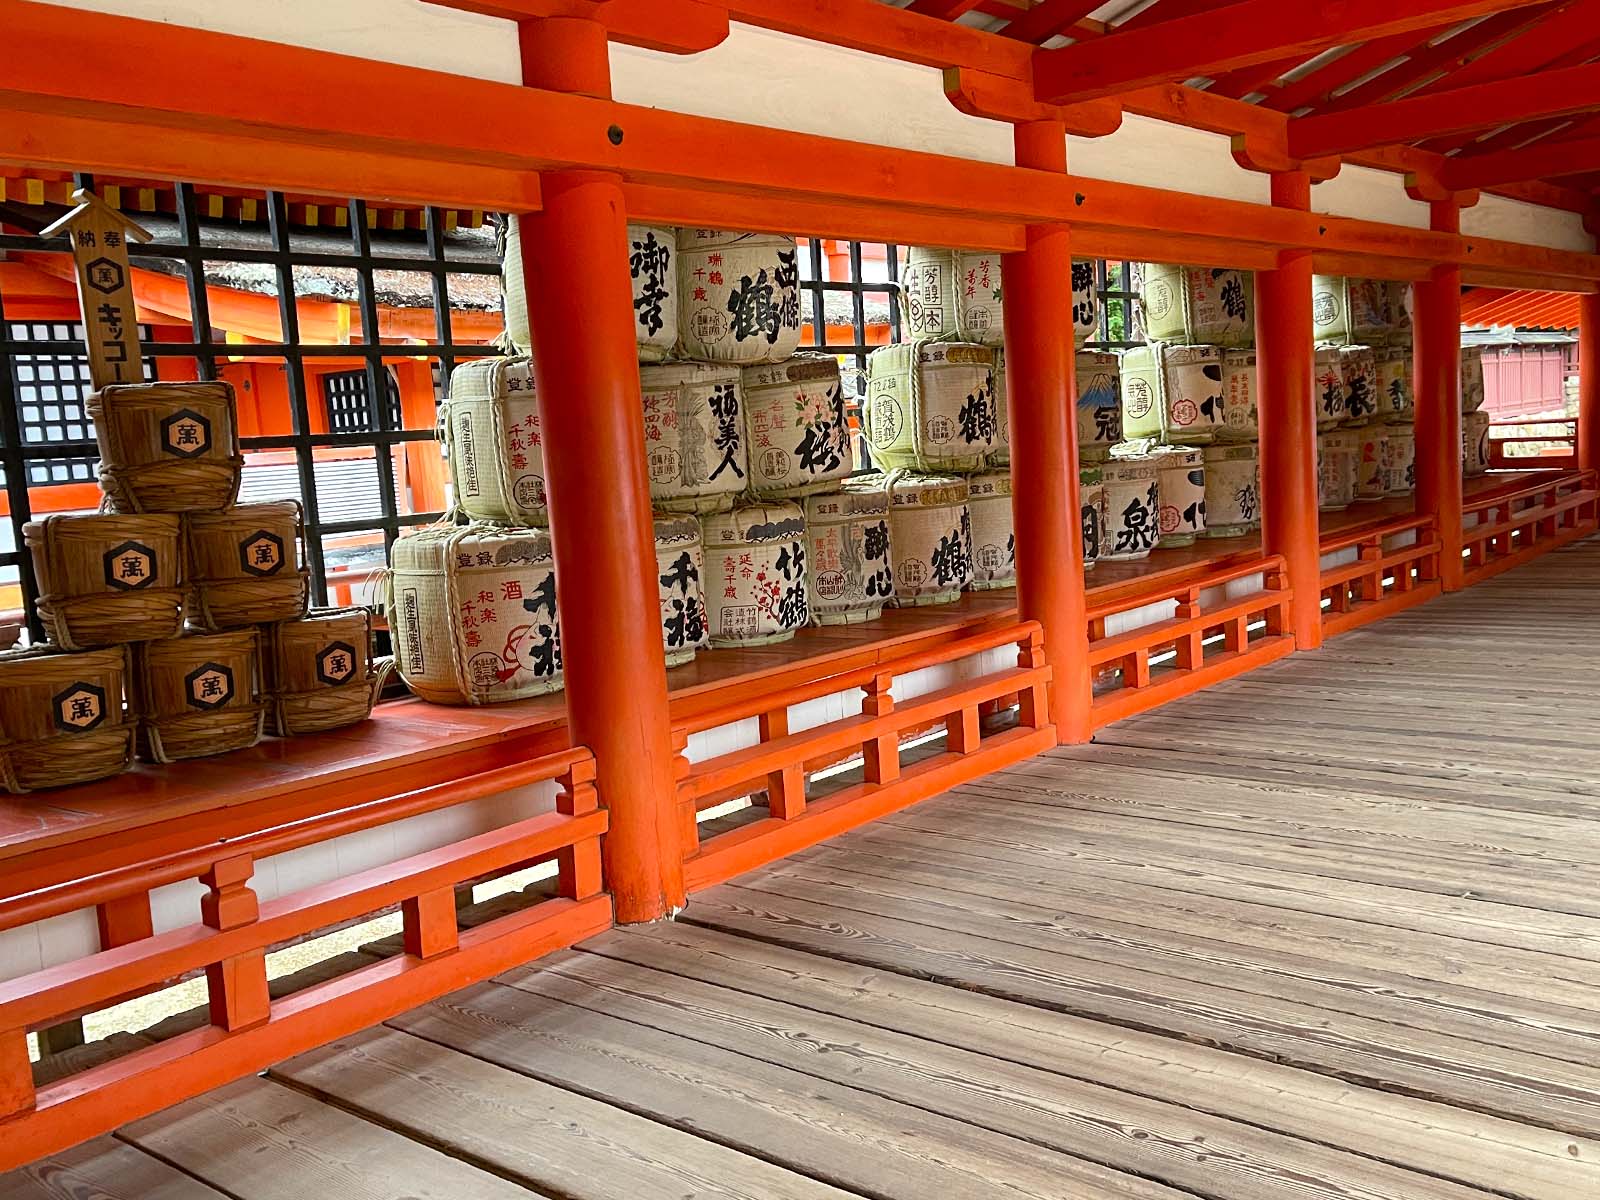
(1332, 929)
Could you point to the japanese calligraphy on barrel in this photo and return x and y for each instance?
(680, 586)
(931, 406)
(798, 438)
(930, 534)
(1233, 489)
(755, 574)
(739, 296)
(1198, 305)
(694, 435)
(851, 573)
(994, 540)
(493, 441)
(1173, 394)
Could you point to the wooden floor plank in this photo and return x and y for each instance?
(103, 1169)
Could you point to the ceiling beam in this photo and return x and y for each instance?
(1547, 160)
(1044, 21)
(1239, 35)
(945, 10)
(1544, 94)
(1317, 86)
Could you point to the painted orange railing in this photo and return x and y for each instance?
(780, 763)
(249, 1030)
(1562, 430)
(1204, 640)
(1522, 522)
(1387, 575)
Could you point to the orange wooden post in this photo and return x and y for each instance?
(16, 1073)
(579, 865)
(880, 753)
(1589, 381)
(1436, 320)
(586, 371)
(237, 986)
(428, 923)
(1041, 393)
(1284, 365)
(786, 789)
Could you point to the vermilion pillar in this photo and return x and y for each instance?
(1436, 320)
(580, 316)
(1284, 365)
(1042, 396)
(1589, 381)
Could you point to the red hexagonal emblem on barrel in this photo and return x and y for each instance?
(185, 433)
(208, 686)
(261, 553)
(79, 707)
(130, 566)
(336, 663)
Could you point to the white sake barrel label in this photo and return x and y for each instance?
(1085, 301)
(650, 264)
(743, 295)
(982, 317)
(1099, 399)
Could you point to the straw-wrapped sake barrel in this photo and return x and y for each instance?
(197, 695)
(1198, 305)
(930, 534)
(1472, 393)
(1092, 503)
(739, 296)
(1181, 473)
(1099, 382)
(1000, 454)
(851, 576)
(994, 540)
(953, 293)
(472, 613)
(755, 574)
(107, 578)
(1328, 381)
(1372, 479)
(1359, 366)
(1133, 508)
(795, 427)
(319, 672)
(1396, 400)
(167, 447)
(680, 586)
(1240, 411)
(694, 436)
(1085, 301)
(1233, 489)
(1350, 311)
(244, 565)
(1475, 442)
(652, 266)
(931, 406)
(492, 438)
(1173, 394)
(1400, 466)
(1338, 467)
(62, 719)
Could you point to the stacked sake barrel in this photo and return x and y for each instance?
(1366, 441)
(1186, 462)
(157, 610)
(1474, 420)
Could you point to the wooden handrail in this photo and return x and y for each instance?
(1212, 579)
(1387, 529)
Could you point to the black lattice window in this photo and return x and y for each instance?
(1120, 326)
(347, 399)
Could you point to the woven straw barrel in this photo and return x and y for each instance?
(1359, 367)
(1396, 399)
(1475, 442)
(167, 447)
(107, 578)
(1400, 467)
(1240, 411)
(197, 695)
(983, 316)
(1372, 480)
(1133, 508)
(1400, 300)
(1099, 385)
(680, 575)
(1328, 388)
(930, 534)
(694, 436)
(492, 438)
(1085, 302)
(318, 672)
(1092, 503)
(994, 541)
(1000, 456)
(1471, 378)
(1338, 467)
(928, 294)
(931, 406)
(1198, 305)
(1233, 489)
(799, 440)
(652, 257)
(1351, 311)
(1173, 394)
(1182, 475)
(62, 719)
(755, 574)
(850, 577)
(243, 566)
(472, 614)
(739, 296)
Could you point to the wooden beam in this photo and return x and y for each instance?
(671, 26)
(944, 10)
(1318, 86)
(1240, 35)
(1546, 160)
(1044, 21)
(1545, 94)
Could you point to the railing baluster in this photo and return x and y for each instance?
(786, 789)
(880, 754)
(16, 1073)
(237, 985)
(1033, 702)
(578, 867)
(961, 731)
(688, 813)
(429, 924)
(1190, 645)
(124, 919)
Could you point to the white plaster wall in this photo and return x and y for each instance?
(1371, 195)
